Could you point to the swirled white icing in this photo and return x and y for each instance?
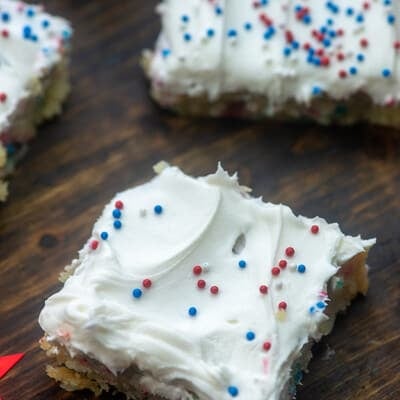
(280, 49)
(31, 43)
(220, 349)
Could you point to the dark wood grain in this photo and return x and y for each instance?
(109, 137)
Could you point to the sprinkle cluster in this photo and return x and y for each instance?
(340, 45)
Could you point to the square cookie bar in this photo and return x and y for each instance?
(189, 288)
(331, 61)
(34, 50)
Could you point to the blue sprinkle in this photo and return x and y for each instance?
(192, 311)
(387, 2)
(27, 31)
(295, 44)
(311, 310)
(165, 52)
(218, 10)
(323, 30)
(269, 33)
(301, 268)
(329, 21)
(158, 209)
(360, 57)
(287, 51)
(30, 12)
(233, 391)
(210, 32)
(349, 12)
(316, 61)
(116, 213)
(137, 293)
(232, 33)
(45, 23)
(332, 7)
(386, 72)
(185, 19)
(104, 235)
(187, 37)
(326, 42)
(66, 34)
(242, 264)
(34, 38)
(250, 336)
(391, 19)
(316, 90)
(353, 70)
(307, 19)
(5, 16)
(298, 8)
(321, 304)
(248, 26)
(332, 34)
(360, 18)
(117, 224)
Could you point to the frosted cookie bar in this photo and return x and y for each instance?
(34, 49)
(192, 289)
(331, 61)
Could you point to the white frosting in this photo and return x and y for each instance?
(200, 222)
(250, 62)
(31, 43)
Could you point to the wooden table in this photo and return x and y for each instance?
(109, 137)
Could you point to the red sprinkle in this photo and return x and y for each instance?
(94, 244)
(340, 56)
(265, 19)
(119, 204)
(282, 264)
(314, 229)
(363, 42)
(266, 346)
(197, 270)
(342, 74)
(5, 33)
(397, 45)
(289, 251)
(201, 283)
(3, 97)
(366, 5)
(146, 283)
(282, 305)
(263, 289)
(325, 61)
(275, 271)
(289, 36)
(214, 289)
